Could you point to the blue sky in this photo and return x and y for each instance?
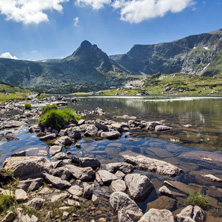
(44, 29)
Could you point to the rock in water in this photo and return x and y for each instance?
(157, 216)
(139, 186)
(121, 201)
(142, 162)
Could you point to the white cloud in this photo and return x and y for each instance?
(76, 21)
(96, 4)
(29, 11)
(135, 11)
(7, 55)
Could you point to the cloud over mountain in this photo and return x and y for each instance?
(7, 55)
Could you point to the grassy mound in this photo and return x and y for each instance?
(28, 106)
(46, 108)
(57, 119)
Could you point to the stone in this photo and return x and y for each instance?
(123, 216)
(94, 198)
(118, 185)
(76, 190)
(139, 186)
(165, 191)
(88, 190)
(60, 196)
(91, 130)
(142, 162)
(71, 202)
(100, 125)
(120, 174)
(61, 156)
(21, 195)
(48, 137)
(74, 133)
(121, 166)
(157, 216)
(105, 177)
(86, 162)
(111, 135)
(212, 178)
(30, 184)
(64, 140)
(180, 186)
(121, 201)
(55, 149)
(191, 214)
(56, 181)
(62, 172)
(25, 167)
(162, 128)
(36, 203)
(82, 173)
(80, 122)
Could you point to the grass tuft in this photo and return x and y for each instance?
(198, 199)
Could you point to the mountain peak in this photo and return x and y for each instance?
(85, 44)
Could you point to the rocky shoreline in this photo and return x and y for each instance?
(69, 180)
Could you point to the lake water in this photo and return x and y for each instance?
(188, 148)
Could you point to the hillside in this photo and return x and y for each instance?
(90, 69)
(196, 54)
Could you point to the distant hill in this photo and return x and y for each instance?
(90, 69)
(196, 54)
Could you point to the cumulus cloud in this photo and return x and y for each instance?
(76, 21)
(95, 4)
(29, 11)
(7, 55)
(135, 11)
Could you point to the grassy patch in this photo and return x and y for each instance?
(57, 119)
(47, 108)
(198, 199)
(5, 202)
(28, 106)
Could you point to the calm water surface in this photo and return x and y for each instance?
(182, 146)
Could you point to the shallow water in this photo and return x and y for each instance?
(182, 146)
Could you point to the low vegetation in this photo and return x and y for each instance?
(57, 119)
(47, 108)
(5, 202)
(198, 199)
(28, 106)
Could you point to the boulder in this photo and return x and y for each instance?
(91, 130)
(55, 149)
(142, 162)
(82, 173)
(62, 172)
(74, 133)
(21, 195)
(157, 216)
(121, 166)
(121, 201)
(100, 125)
(76, 190)
(64, 140)
(104, 177)
(165, 191)
(88, 190)
(139, 186)
(120, 174)
(30, 184)
(48, 137)
(86, 162)
(61, 156)
(26, 167)
(56, 181)
(123, 216)
(191, 213)
(118, 186)
(162, 128)
(111, 135)
(212, 178)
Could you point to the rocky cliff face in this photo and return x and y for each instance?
(192, 55)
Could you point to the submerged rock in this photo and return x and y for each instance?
(142, 162)
(212, 178)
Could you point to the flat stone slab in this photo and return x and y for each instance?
(30, 184)
(142, 162)
(48, 137)
(105, 177)
(118, 185)
(56, 181)
(21, 195)
(76, 190)
(55, 149)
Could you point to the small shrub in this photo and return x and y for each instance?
(56, 119)
(198, 199)
(46, 108)
(28, 106)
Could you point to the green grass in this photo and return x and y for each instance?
(57, 119)
(198, 199)
(28, 106)
(46, 108)
(5, 202)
